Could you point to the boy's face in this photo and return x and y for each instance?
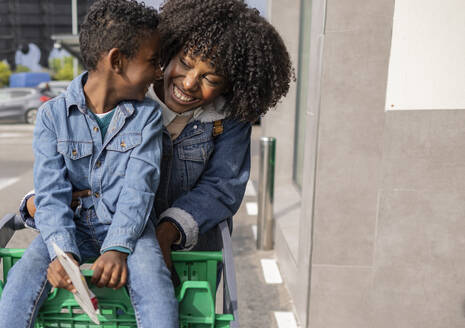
(139, 71)
(190, 83)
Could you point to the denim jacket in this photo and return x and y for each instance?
(122, 170)
(203, 177)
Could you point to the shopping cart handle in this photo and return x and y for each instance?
(229, 275)
(8, 224)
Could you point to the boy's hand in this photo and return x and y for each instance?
(57, 275)
(110, 270)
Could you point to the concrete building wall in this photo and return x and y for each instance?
(384, 207)
(350, 163)
(280, 123)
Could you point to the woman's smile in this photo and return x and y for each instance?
(181, 96)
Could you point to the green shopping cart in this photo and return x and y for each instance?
(198, 273)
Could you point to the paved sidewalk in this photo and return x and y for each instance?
(257, 300)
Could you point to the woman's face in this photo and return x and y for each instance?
(190, 83)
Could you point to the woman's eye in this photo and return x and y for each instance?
(183, 62)
(211, 82)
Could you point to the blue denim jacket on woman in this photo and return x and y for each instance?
(122, 170)
(203, 177)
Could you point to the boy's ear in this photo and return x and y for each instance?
(116, 60)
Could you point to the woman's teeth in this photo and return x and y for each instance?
(180, 95)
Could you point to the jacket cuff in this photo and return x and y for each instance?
(118, 248)
(186, 224)
(116, 239)
(66, 242)
(24, 214)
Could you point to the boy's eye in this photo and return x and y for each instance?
(155, 61)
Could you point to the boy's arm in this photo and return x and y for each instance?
(218, 193)
(140, 184)
(54, 217)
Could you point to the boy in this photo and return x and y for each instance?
(102, 135)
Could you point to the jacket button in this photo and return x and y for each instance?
(74, 152)
(96, 195)
(195, 127)
(98, 164)
(95, 128)
(122, 144)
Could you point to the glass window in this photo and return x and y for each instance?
(302, 89)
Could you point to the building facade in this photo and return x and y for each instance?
(370, 198)
(23, 22)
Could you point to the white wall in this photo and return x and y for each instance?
(427, 63)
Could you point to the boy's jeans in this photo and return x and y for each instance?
(149, 283)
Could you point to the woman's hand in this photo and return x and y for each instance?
(31, 208)
(167, 235)
(110, 270)
(79, 194)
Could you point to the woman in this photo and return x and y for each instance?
(223, 67)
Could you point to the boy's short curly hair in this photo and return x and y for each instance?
(242, 45)
(114, 24)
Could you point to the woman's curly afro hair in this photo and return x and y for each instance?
(241, 44)
(115, 24)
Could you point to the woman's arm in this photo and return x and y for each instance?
(220, 189)
(27, 208)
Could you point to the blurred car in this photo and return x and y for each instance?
(21, 103)
(53, 88)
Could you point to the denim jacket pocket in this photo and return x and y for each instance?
(74, 149)
(197, 152)
(195, 158)
(125, 142)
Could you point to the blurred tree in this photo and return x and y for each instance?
(62, 68)
(22, 69)
(5, 73)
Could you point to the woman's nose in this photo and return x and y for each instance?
(190, 81)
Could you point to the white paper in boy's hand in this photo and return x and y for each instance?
(83, 294)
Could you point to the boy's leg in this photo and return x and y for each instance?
(149, 284)
(26, 288)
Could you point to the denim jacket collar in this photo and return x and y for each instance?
(212, 112)
(75, 94)
(75, 97)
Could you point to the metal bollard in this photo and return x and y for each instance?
(265, 224)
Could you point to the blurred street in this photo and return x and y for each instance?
(258, 300)
(16, 161)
